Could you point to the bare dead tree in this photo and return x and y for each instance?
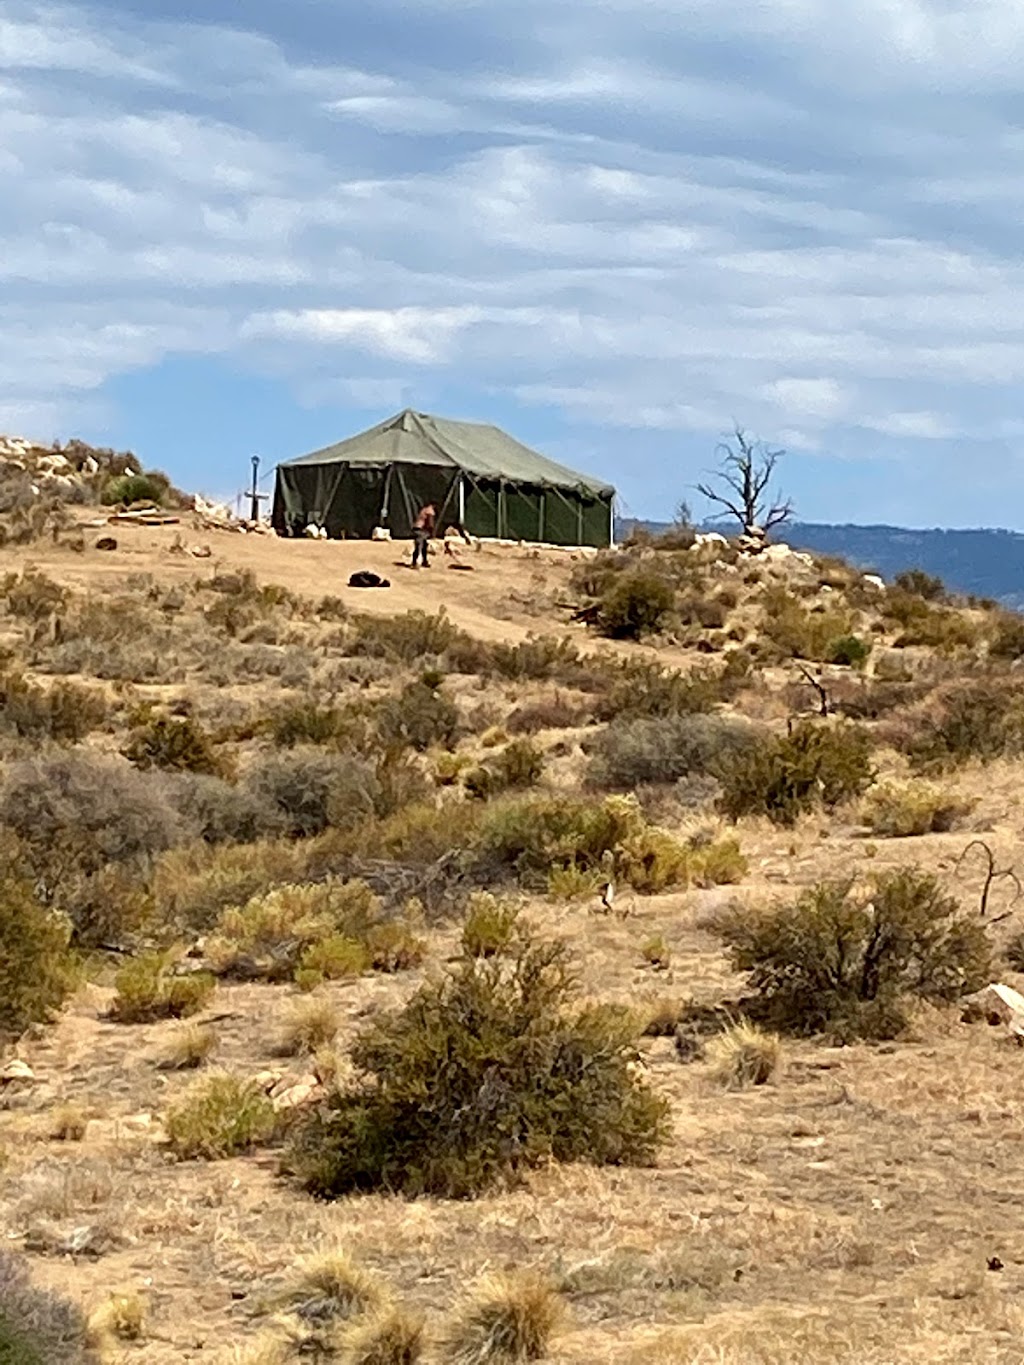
(992, 874)
(746, 469)
(824, 708)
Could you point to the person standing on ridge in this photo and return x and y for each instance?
(422, 530)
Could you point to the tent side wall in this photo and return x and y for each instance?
(351, 500)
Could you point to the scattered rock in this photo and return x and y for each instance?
(996, 1004)
(17, 1072)
(106, 543)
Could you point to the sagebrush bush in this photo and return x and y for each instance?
(785, 776)
(536, 658)
(1008, 636)
(176, 743)
(64, 712)
(553, 713)
(979, 719)
(846, 963)
(32, 595)
(220, 812)
(519, 765)
(799, 633)
(307, 723)
(921, 584)
(148, 988)
(38, 1326)
(219, 1116)
(312, 927)
(483, 1074)
(899, 810)
(407, 639)
(75, 812)
(632, 753)
(420, 716)
(311, 789)
(36, 969)
(636, 604)
(638, 688)
(193, 884)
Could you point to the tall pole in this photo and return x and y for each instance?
(254, 491)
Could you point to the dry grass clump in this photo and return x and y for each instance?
(900, 810)
(311, 1025)
(329, 1286)
(148, 988)
(785, 776)
(510, 1318)
(490, 925)
(219, 1116)
(121, 1318)
(389, 1336)
(744, 1055)
(192, 885)
(69, 1123)
(37, 972)
(188, 1047)
(432, 1113)
(849, 964)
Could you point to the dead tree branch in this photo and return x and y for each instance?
(993, 874)
(746, 470)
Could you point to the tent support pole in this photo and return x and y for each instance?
(540, 516)
(611, 523)
(462, 502)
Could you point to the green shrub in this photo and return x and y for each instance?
(651, 750)
(920, 584)
(36, 969)
(193, 884)
(635, 605)
(38, 1326)
(982, 719)
(798, 633)
(489, 927)
(848, 964)
(519, 765)
(420, 716)
(480, 1076)
(849, 650)
(895, 810)
(151, 486)
(219, 1116)
(333, 958)
(148, 989)
(785, 776)
(306, 723)
(176, 743)
(267, 937)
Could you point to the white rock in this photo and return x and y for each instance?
(873, 581)
(16, 1070)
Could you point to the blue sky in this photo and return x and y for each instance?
(615, 230)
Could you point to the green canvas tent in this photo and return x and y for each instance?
(475, 475)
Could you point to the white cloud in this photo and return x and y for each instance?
(653, 216)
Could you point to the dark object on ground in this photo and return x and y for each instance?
(463, 568)
(106, 543)
(363, 578)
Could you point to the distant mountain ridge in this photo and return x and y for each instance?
(985, 563)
